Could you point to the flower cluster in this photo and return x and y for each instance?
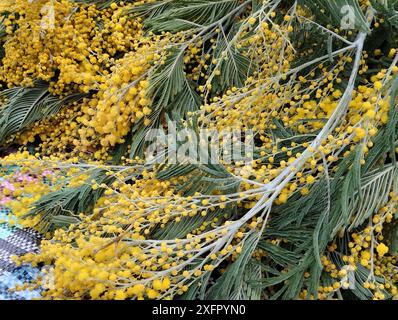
(322, 118)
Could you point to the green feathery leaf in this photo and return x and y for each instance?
(60, 208)
(184, 15)
(25, 106)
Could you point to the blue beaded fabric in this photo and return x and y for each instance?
(15, 240)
